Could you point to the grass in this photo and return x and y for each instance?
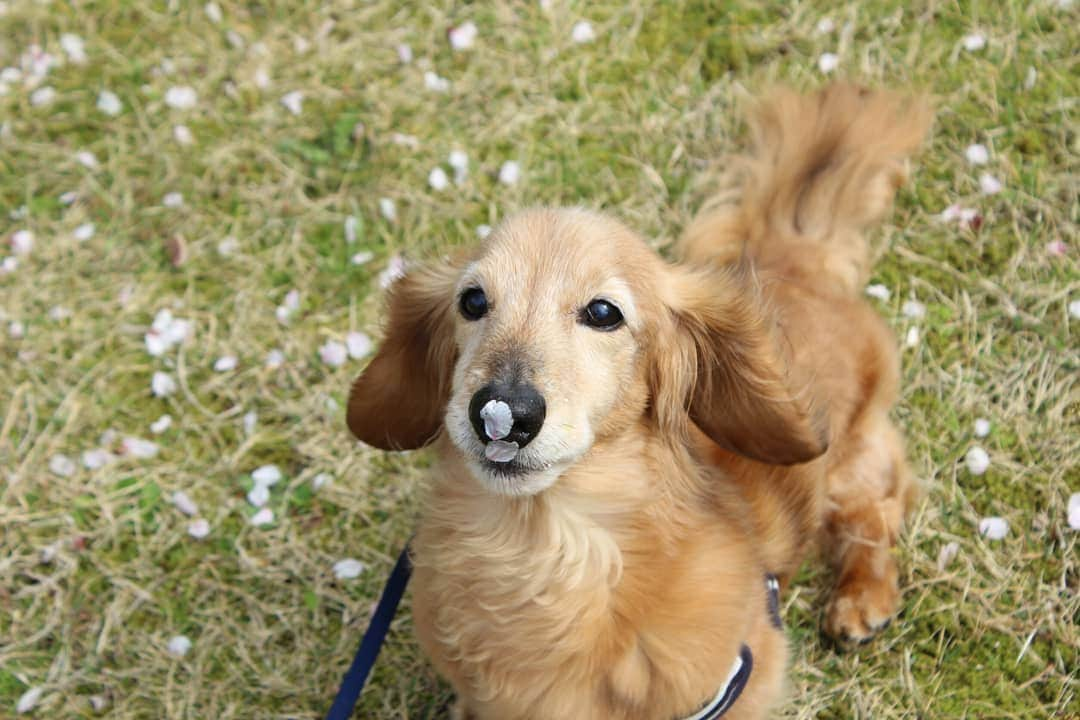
(635, 122)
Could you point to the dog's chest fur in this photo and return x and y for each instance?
(543, 608)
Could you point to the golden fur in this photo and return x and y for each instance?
(740, 414)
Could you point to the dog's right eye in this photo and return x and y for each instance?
(473, 304)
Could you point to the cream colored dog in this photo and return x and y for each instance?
(629, 450)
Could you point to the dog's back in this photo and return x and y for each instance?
(822, 169)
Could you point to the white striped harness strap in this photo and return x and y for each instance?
(739, 674)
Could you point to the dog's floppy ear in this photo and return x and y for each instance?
(398, 402)
(726, 364)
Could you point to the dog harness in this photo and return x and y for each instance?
(744, 662)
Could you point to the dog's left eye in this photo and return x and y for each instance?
(473, 303)
(602, 315)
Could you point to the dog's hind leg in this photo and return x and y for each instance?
(870, 491)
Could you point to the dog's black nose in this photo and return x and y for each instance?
(527, 410)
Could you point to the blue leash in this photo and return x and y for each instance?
(354, 679)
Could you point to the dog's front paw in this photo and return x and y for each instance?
(862, 606)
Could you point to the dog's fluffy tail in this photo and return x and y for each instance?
(821, 168)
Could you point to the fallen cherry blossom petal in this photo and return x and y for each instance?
(982, 427)
(388, 209)
(1056, 248)
(264, 517)
(251, 419)
(259, 495)
(22, 242)
(913, 309)
(395, 270)
(333, 353)
(351, 224)
(438, 180)
(435, 83)
(43, 96)
(182, 134)
(139, 448)
(509, 173)
(1074, 511)
(84, 232)
(362, 258)
(68, 198)
(947, 554)
(460, 162)
(9, 265)
(184, 504)
(878, 291)
(160, 425)
(498, 419)
(181, 97)
(989, 185)
(463, 36)
(1074, 308)
(213, 12)
(1030, 78)
(74, 47)
(29, 700)
(348, 569)
(410, 141)
(911, 339)
(582, 32)
(109, 103)
(179, 645)
(293, 102)
(198, 529)
(98, 703)
(162, 384)
(482, 231)
(974, 42)
(993, 528)
(977, 460)
(825, 26)
(97, 458)
(16, 329)
(62, 466)
(405, 54)
(228, 246)
(500, 451)
(87, 159)
(275, 359)
(828, 62)
(225, 363)
(977, 154)
(261, 78)
(321, 480)
(358, 344)
(267, 475)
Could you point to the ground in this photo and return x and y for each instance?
(99, 568)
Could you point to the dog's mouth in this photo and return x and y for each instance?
(508, 469)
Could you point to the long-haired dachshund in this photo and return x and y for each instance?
(633, 456)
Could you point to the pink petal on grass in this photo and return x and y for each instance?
(582, 32)
(62, 466)
(97, 458)
(358, 344)
(268, 475)
(225, 363)
(878, 291)
(387, 209)
(139, 448)
(974, 42)
(993, 528)
(262, 518)
(989, 185)
(947, 554)
(463, 36)
(1074, 511)
(22, 242)
(435, 83)
(182, 134)
(84, 232)
(982, 427)
(510, 173)
(162, 384)
(828, 62)
(179, 645)
(109, 103)
(1057, 248)
(321, 480)
(913, 309)
(198, 529)
(348, 569)
(29, 700)
(184, 504)
(333, 353)
(258, 495)
(437, 179)
(977, 460)
(160, 425)
(977, 154)
(293, 102)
